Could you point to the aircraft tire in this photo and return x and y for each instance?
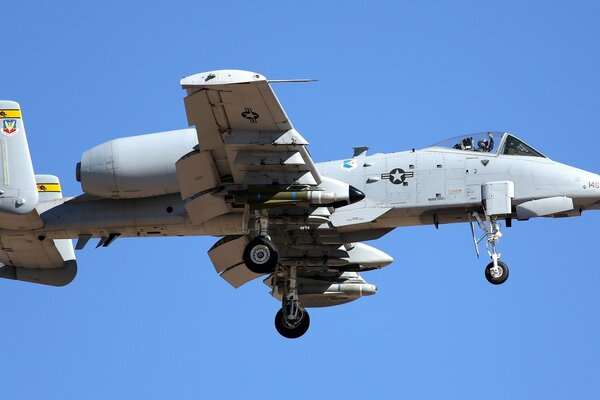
(496, 279)
(295, 332)
(260, 256)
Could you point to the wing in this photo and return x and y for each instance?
(250, 151)
(245, 139)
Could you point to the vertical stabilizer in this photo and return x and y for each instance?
(18, 191)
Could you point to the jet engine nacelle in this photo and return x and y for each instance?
(136, 166)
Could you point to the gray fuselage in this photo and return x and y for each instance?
(431, 186)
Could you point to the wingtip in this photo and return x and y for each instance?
(221, 77)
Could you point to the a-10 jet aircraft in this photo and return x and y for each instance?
(243, 173)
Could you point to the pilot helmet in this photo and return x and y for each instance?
(482, 144)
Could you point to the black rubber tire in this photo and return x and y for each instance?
(293, 333)
(496, 280)
(260, 246)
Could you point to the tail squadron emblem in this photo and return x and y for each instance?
(397, 176)
(9, 126)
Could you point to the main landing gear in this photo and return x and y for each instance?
(496, 272)
(291, 321)
(260, 255)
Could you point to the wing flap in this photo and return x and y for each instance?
(248, 159)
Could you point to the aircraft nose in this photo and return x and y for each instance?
(592, 182)
(591, 187)
(355, 195)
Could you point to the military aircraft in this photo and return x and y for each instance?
(243, 173)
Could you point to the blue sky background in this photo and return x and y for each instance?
(149, 318)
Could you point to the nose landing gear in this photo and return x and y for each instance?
(496, 272)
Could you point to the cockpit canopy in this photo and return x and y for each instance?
(490, 142)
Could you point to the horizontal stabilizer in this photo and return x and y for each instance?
(29, 257)
(52, 277)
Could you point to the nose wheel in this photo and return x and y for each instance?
(496, 272)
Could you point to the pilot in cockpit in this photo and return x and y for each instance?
(484, 145)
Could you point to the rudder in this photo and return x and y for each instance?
(18, 191)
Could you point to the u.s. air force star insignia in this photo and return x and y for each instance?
(250, 115)
(397, 176)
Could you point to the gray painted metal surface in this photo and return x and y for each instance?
(243, 172)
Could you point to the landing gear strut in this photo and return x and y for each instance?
(291, 321)
(496, 272)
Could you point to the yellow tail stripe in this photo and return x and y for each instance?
(10, 113)
(48, 187)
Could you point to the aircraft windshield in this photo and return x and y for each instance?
(514, 147)
(490, 142)
(484, 142)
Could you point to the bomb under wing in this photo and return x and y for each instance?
(306, 197)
